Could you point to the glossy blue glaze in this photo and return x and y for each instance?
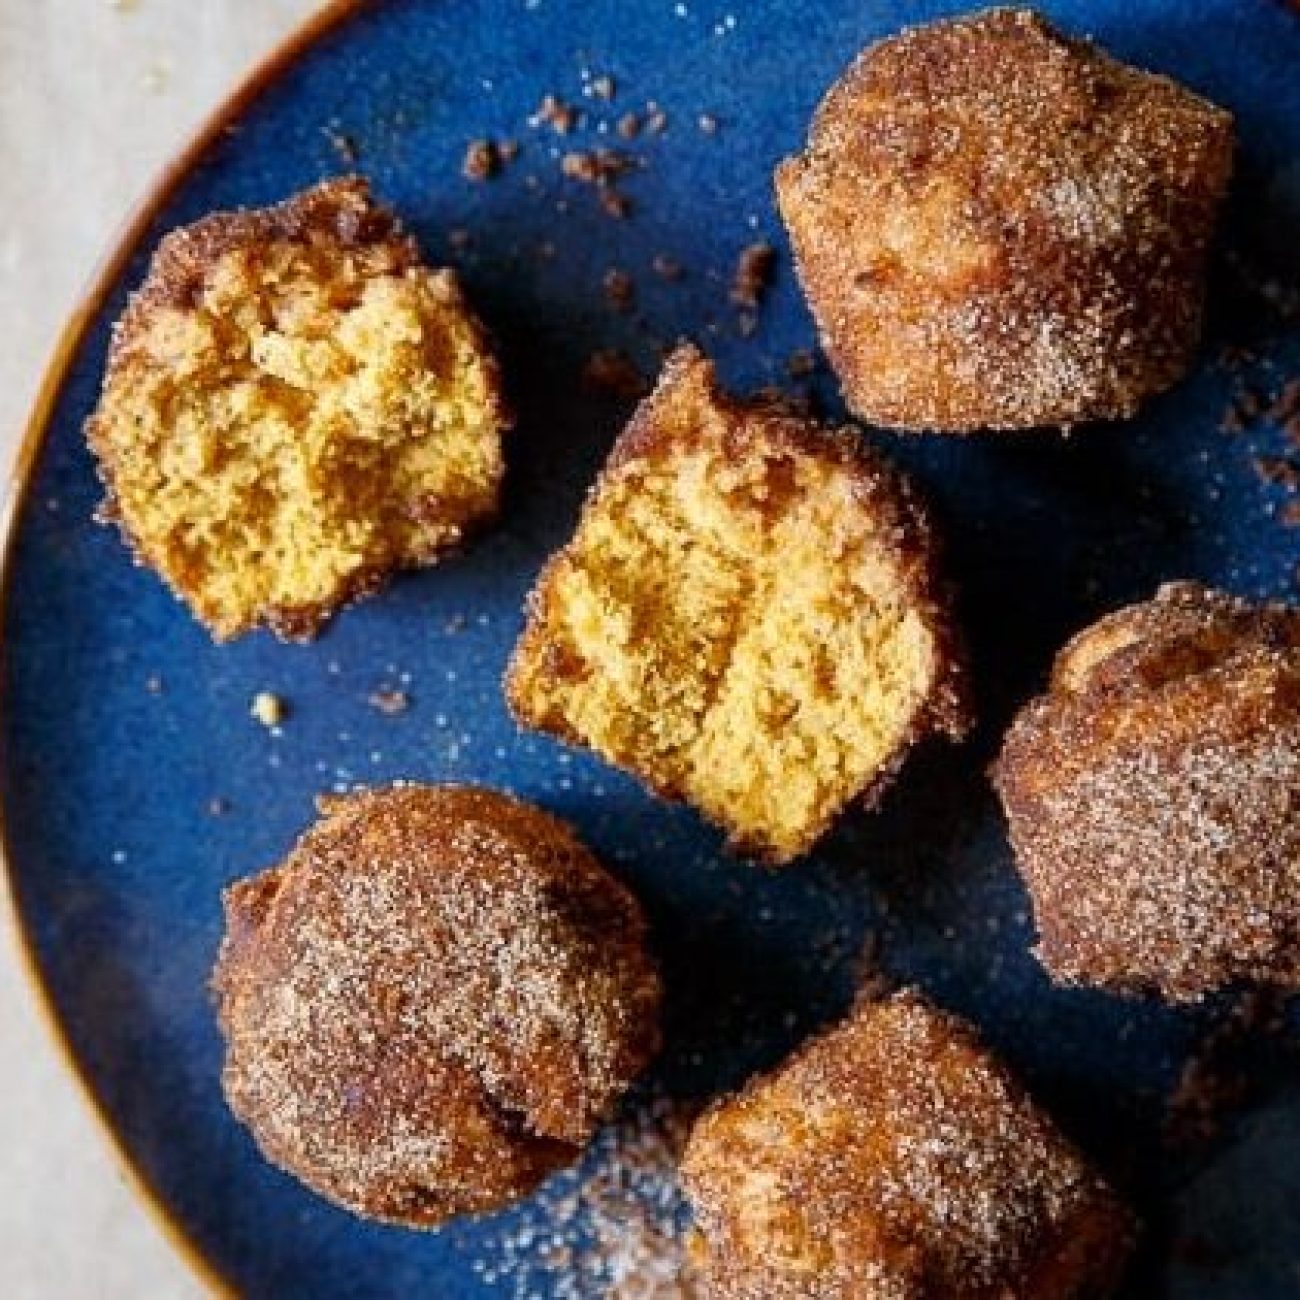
(118, 863)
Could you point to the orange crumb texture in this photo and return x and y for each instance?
(894, 1158)
(747, 617)
(295, 407)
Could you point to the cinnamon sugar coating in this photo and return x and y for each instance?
(432, 1003)
(999, 226)
(893, 1158)
(1153, 796)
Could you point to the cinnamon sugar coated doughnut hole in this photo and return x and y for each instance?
(295, 407)
(1153, 796)
(999, 226)
(432, 1003)
(747, 617)
(893, 1158)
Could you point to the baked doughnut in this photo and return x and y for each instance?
(999, 226)
(294, 407)
(893, 1158)
(432, 1003)
(747, 617)
(1153, 796)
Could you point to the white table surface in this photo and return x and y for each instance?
(94, 96)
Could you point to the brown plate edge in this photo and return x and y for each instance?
(13, 498)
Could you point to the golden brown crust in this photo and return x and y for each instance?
(686, 415)
(433, 1002)
(893, 1158)
(1153, 796)
(221, 297)
(337, 214)
(998, 226)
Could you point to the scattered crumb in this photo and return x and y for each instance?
(656, 120)
(389, 701)
(603, 87)
(629, 126)
(218, 806)
(746, 324)
(668, 268)
(482, 160)
(153, 684)
(456, 623)
(344, 145)
(754, 270)
(800, 363)
(1250, 407)
(707, 123)
(1285, 407)
(1243, 409)
(614, 204)
(620, 292)
(801, 403)
(507, 150)
(556, 114)
(1280, 470)
(611, 373)
(596, 166)
(580, 166)
(268, 709)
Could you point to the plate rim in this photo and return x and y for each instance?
(16, 485)
(15, 492)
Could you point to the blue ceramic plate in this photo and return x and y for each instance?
(122, 722)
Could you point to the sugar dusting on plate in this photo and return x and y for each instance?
(613, 1227)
